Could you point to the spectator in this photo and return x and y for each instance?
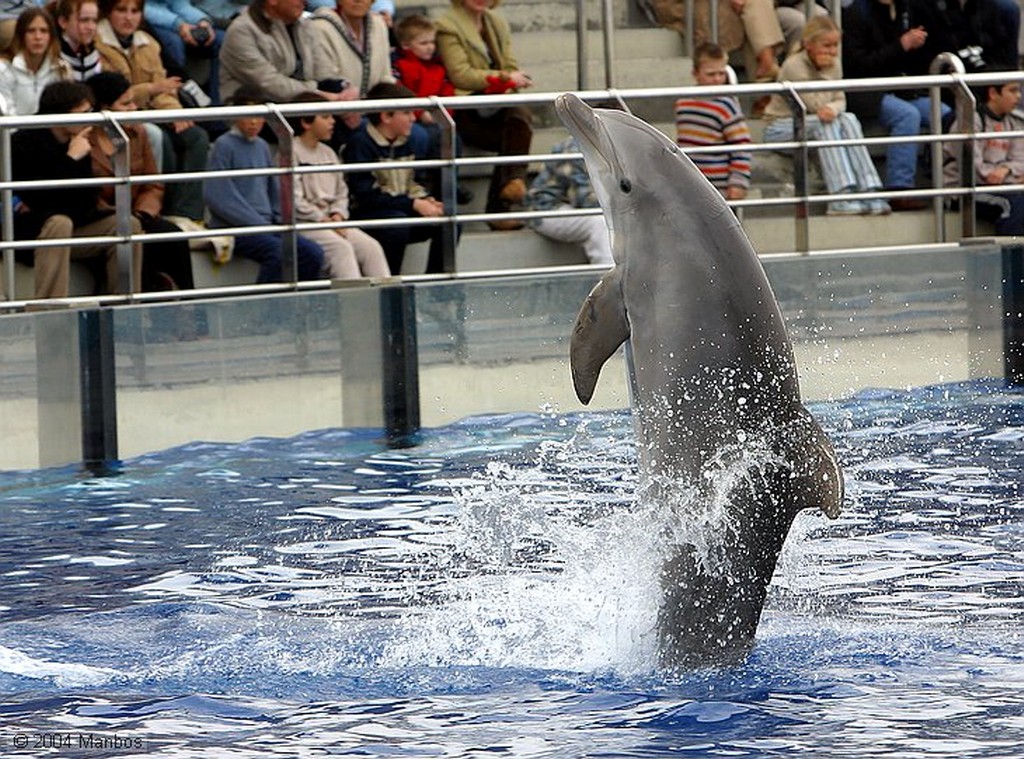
(349, 253)
(392, 193)
(134, 54)
(249, 201)
(35, 63)
(955, 25)
(9, 13)
(77, 20)
(565, 185)
(268, 49)
(184, 31)
(166, 264)
(996, 160)
(420, 69)
(845, 168)
(353, 54)
(702, 122)
(62, 152)
(476, 47)
(750, 25)
(882, 40)
(384, 8)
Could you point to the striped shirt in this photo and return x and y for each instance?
(715, 121)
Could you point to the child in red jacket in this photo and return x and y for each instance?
(418, 67)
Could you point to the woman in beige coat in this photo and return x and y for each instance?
(476, 46)
(134, 54)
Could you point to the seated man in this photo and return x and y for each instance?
(268, 50)
(185, 31)
(63, 152)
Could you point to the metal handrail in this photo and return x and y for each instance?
(960, 84)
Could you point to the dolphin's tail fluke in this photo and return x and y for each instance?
(601, 327)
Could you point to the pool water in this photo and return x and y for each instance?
(492, 592)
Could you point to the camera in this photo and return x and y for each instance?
(201, 34)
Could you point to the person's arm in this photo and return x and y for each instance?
(1015, 156)
(149, 198)
(736, 132)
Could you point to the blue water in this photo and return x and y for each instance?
(491, 592)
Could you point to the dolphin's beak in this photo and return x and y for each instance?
(585, 125)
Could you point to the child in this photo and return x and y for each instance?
(845, 168)
(997, 160)
(349, 253)
(701, 122)
(419, 68)
(242, 201)
(392, 193)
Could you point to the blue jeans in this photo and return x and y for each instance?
(266, 250)
(175, 49)
(904, 118)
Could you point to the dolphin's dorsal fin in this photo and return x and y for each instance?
(818, 480)
(601, 327)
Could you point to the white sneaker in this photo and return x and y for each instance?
(846, 208)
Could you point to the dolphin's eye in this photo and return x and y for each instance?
(626, 186)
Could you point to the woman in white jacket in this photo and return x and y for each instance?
(35, 63)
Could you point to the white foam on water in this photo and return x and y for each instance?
(63, 674)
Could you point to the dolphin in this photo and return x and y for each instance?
(720, 425)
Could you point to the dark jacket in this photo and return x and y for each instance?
(951, 28)
(871, 48)
(384, 193)
(36, 154)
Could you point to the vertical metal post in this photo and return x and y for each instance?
(966, 106)
(689, 27)
(123, 201)
(98, 390)
(608, 29)
(713, 4)
(449, 186)
(7, 221)
(582, 75)
(1013, 308)
(286, 160)
(945, 63)
(400, 370)
(801, 162)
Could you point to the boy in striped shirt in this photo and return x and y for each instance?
(702, 122)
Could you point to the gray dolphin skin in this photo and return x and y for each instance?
(713, 380)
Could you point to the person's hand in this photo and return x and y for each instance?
(735, 192)
(79, 146)
(426, 118)
(914, 38)
(185, 32)
(520, 79)
(211, 35)
(826, 114)
(181, 126)
(998, 175)
(170, 84)
(738, 5)
(428, 207)
(340, 231)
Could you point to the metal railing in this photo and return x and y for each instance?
(276, 114)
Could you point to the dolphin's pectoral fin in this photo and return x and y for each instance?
(816, 477)
(601, 327)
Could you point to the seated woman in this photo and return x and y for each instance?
(134, 54)
(166, 265)
(35, 63)
(476, 46)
